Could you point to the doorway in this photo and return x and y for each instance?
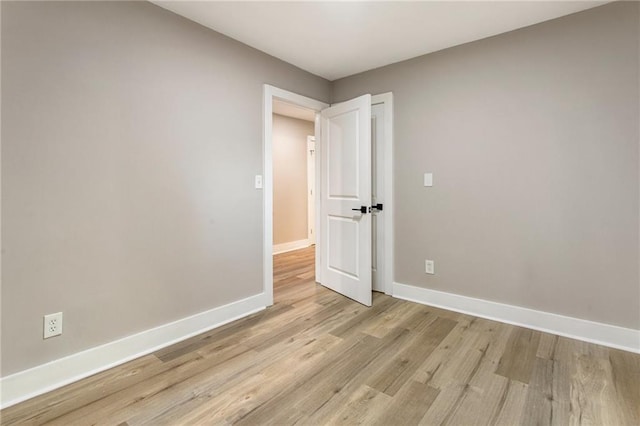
(382, 138)
(293, 177)
(272, 94)
(293, 141)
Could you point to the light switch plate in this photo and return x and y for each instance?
(258, 181)
(428, 179)
(429, 267)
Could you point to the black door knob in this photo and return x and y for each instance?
(362, 209)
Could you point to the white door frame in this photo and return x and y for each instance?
(387, 213)
(271, 92)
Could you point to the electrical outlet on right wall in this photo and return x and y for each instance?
(52, 325)
(429, 267)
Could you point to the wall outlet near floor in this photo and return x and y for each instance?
(429, 267)
(52, 325)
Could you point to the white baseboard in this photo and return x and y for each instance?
(589, 331)
(35, 381)
(290, 246)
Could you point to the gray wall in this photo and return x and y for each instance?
(130, 138)
(290, 178)
(532, 137)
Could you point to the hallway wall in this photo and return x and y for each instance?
(290, 178)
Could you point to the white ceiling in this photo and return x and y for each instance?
(294, 111)
(337, 39)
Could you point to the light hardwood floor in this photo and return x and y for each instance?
(318, 358)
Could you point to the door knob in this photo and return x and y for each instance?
(361, 209)
(377, 207)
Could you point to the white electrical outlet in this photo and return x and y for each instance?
(429, 267)
(52, 325)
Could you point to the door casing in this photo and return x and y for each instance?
(386, 99)
(271, 92)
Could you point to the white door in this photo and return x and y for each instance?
(311, 191)
(377, 197)
(345, 237)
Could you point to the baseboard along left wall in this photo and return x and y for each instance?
(43, 378)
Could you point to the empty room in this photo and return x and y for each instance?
(318, 213)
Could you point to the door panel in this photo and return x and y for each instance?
(342, 239)
(343, 150)
(346, 185)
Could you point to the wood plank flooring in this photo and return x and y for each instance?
(317, 358)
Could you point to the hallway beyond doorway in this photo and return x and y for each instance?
(294, 275)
